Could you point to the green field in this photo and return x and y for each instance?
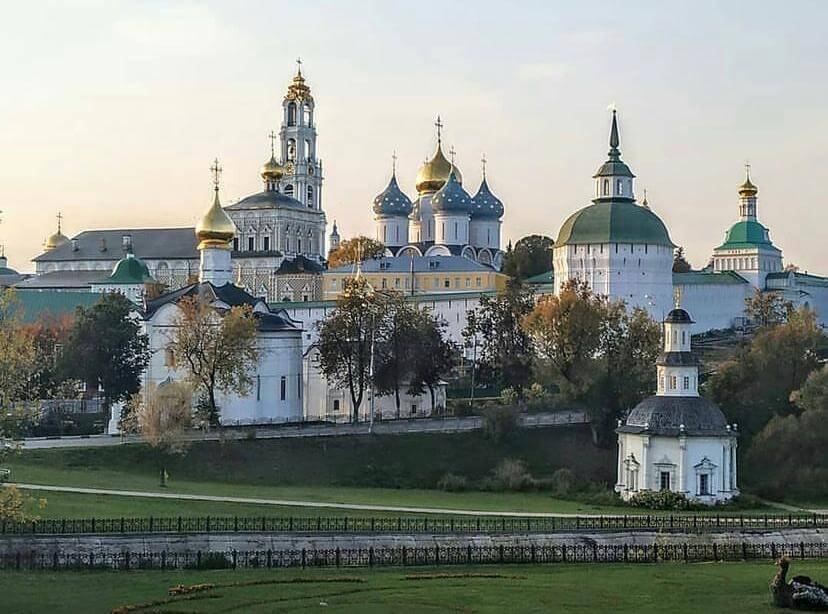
(674, 588)
(396, 470)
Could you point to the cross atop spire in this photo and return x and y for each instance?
(614, 140)
(59, 219)
(452, 153)
(394, 163)
(677, 296)
(747, 169)
(216, 170)
(483, 162)
(273, 136)
(439, 125)
(299, 66)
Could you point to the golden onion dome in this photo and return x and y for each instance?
(55, 240)
(747, 188)
(272, 169)
(434, 173)
(215, 229)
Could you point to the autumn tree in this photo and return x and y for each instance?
(680, 263)
(345, 340)
(18, 366)
(217, 350)
(767, 308)
(49, 337)
(395, 341)
(106, 348)
(356, 249)
(597, 352)
(530, 256)
(162, 416)
(504, 347)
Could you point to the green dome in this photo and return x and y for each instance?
(614, 222)
(129, 270)
(745, 235)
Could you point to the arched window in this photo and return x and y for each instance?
(620, 187)
(289, 189)
(291, 118)
(310, 196)
(291, 149)
(606, 187)
(308, 152)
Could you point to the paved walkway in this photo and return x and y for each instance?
(388, 427)
(292, 503)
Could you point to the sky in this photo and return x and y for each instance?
(112, 112)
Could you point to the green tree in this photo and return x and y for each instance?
(106, 348)
(397, 337)
(680, 263)
(531, 255)
(433, 356)
(345, 340)
(767, 308)
(217, 349)
(504, 348)
(787, 457)
(356, 249)
(598, 354)
(757, 384)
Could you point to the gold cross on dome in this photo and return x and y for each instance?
(216, 170)
(59, 219)
(677, 295)
(452, 153)
(747, 168)
(394, 162)
(299, 65)
(483, 162)
(439, 125)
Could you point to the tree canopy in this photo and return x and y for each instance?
(356, 249)
(530, 256)
(680, 263)
(217, 350)
(106, 348)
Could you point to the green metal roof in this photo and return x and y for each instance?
(708, 277)
(52, 304)
(129, 271)
(747, 234)
(801, 278)
(614, 222)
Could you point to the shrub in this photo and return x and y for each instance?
(562, 481)
(214, 560)
(452, 482)
(511, 474)
(509, 396)
(661, 500)
(499, 422)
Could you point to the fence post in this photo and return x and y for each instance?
(179, 524)
(478, 524)
(468, 554)
(532, 551)
(626, 552)
(655, 553)
(208, 524)
(684, 548)
(150, 523)
(163, 559)
(399, 524)
(802, 550)
(715, 552)
(270, 558)
(126, 560)
(594, 552)
(563, 553)
(500, 553)
(404, 558)
(235, 558)
(304, 554)
(773, 551)
(236, 523)
(744, 551)
(198, 558)
(55, 561)
(290, 523)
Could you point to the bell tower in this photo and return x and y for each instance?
(303, 170)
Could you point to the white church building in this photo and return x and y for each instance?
(677, 440)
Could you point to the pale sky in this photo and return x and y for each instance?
(111, 112)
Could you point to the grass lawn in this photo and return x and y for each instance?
(398, 470)
(674, 588)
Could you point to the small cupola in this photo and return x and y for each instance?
(614, 179)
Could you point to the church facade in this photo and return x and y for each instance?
(677, 440)
(278, 252)
(622, 249)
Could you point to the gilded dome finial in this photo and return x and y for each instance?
(747, 188)
(483, 162)
(215, 229)
(394, 164)
(58, 238)
(439, 126)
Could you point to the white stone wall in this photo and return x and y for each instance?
(280, 357)
(680, 457)
(715, 306)
(392, 230)
(641, 275)
(451, 228)
(485, 233)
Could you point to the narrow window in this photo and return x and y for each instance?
(251, 244)
(266, 244)
(298, 385)
(236, 244)
(606, 187)
(283, 390)
(336, 405)
(687, 383)
(664, 481)
(704, 484)
(258, 387)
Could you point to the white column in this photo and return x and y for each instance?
(216, 266)
(682, 459)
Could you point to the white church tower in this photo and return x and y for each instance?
(215, 232)
(303, 176)
(677, 440)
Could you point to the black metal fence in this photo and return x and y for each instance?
(408, 556)
(414, 524)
